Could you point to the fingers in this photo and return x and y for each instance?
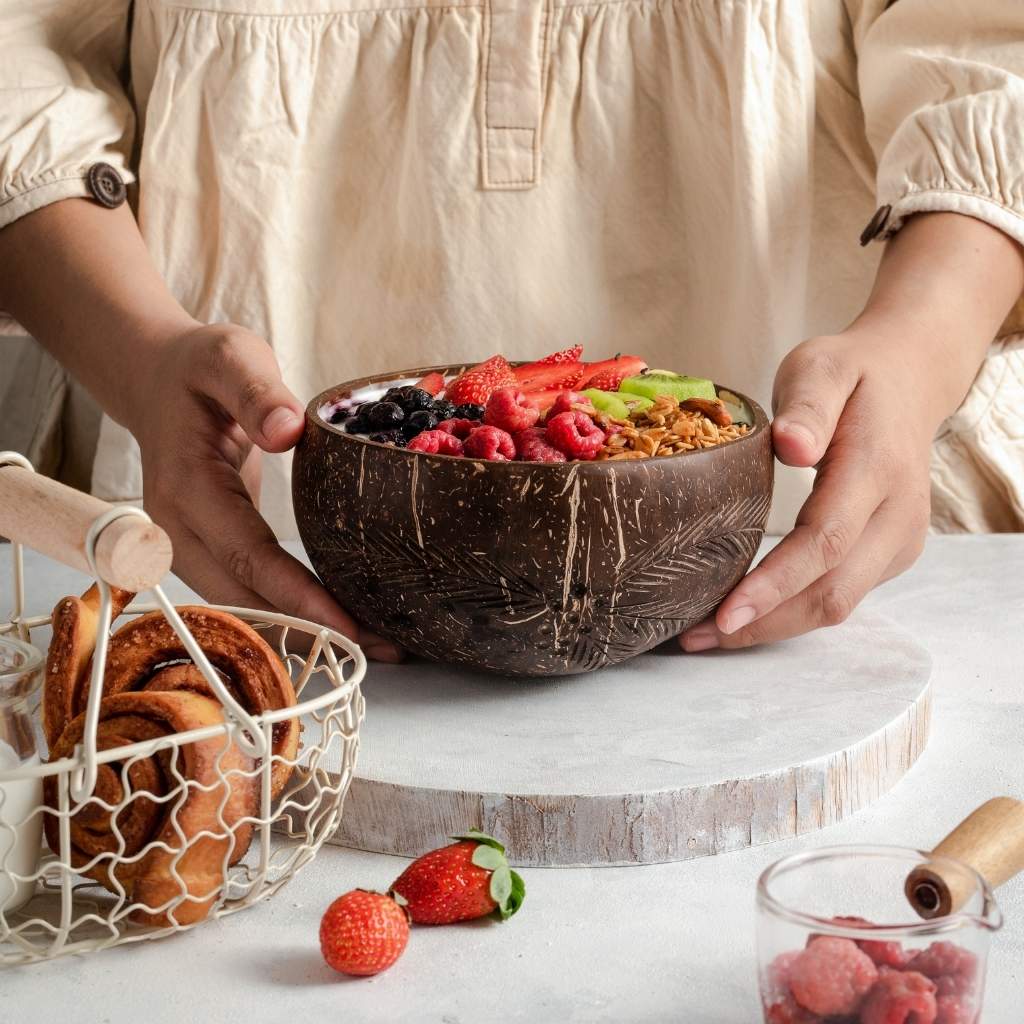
(812, 387)
(245, 551)
(846, 494)
(879, 553)
(237, 369)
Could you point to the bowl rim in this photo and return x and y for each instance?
(761, 422)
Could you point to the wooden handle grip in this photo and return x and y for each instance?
(53, 519)
(990, 840)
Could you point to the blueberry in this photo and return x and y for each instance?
(385, 414)
(338, 415)
(444, 410)
(394, 394)
(415, 399)
(358, 425)
(469, 412)
(422, 419)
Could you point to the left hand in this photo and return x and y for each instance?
(858, 409)
(863, 406)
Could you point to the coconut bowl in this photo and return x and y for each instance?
(526, 569)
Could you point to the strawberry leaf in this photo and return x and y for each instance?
(480, 837)
(507, 890)
(516, 897)
(501, 888)
(488, 858)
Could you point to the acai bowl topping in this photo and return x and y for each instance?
(556, 409)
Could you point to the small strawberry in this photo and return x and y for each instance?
(474, 386)
(544, 376)
(456, 883)
(610, 373)
(363, 932)
(433, 383)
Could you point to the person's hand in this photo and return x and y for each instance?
(863, 407)
(203, 407)
(858, 407)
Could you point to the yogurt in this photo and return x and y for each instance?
(20, 834)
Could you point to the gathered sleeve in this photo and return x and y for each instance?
(942, 87)
(66, 120)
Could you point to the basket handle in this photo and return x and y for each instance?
(131, 552)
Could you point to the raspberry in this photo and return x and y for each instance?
(435, 442)
(539, 451)
(574, 434)
(900, 997)
(831, 977)
(947, 960)
(954, 1010)
(775, 978)
(459, 428)
(788, 1011)
(491, 444)
(566, 402)
(888, 954)
(507, 410)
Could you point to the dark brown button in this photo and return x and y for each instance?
(876, 225)
(106, 185)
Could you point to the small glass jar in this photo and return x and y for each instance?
(21, 793)
(801, 896)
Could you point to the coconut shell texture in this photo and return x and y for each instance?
(527, 569)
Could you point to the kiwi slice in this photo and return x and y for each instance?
(664, 382)
(607, 402)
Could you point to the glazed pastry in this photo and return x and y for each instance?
(75, 622)
(199, 831)
(141, 656)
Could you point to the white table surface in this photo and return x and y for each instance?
(670, 942)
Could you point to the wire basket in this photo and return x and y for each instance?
(247, 852)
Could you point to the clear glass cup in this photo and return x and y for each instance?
(21, 672)
(800, 896)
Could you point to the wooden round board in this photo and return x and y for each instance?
(663, 758)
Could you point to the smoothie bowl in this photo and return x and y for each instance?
(539, 530)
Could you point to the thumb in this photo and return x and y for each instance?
(240, 373)
(812, 387)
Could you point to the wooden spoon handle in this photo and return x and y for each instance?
(53, 519)
(990, 840)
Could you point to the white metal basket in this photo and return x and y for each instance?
(70, 913)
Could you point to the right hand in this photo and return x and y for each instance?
(207, 403)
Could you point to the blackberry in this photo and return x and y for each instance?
(395, 437)
(468, 412)
(422, 419)
(415, 399)
(385, 414)
(358, 425)
(445, 410)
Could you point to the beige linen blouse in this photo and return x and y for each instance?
(377, 184)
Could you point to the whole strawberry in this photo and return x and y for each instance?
(363, 932)
(456, 883)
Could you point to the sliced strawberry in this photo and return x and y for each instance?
(433, 383)
(567, 355)
(610, 373)
(543, 400)
(540, 377)
(474, 386)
